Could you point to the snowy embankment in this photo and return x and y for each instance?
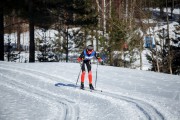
(47, 91)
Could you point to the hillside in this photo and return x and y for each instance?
(47, 91)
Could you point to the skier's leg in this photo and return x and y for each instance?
(90, 80)
(88, 64)
(83, 76)
(90, 75)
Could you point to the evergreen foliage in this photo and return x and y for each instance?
(48, 12)
(111, 23)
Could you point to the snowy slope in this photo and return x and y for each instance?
(47, 91)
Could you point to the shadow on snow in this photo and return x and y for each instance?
(65, 85)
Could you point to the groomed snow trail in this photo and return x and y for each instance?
(34, 94)
(60, 107)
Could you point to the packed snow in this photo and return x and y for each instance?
(48, 91)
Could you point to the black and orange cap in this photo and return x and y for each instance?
(90, 47)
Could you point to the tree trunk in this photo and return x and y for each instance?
(31, 34)
(157, 61)
(67, 45)
(104, 16)
(98, 8)
(126, 8)
(18, 38)
(1, 35)
(169, 52)
(141, 49)
(172, 8)
(97, 38)
(161, 11)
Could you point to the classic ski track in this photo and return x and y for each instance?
(17, 87)
(70, 109)
(147, 109)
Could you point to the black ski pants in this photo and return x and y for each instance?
(88, 65)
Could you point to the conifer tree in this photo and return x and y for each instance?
(43, 14)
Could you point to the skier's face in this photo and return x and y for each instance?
(89, 51)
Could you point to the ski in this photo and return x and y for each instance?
(98, 90)
(95, 90)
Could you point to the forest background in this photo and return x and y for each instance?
(120, 30)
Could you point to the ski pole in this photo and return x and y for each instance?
(79, 73)
(96, 74)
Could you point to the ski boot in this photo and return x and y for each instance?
(91, 87)
(82, 86)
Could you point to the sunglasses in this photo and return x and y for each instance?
(89, 51)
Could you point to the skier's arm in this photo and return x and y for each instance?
(98, 57)
(81, 57)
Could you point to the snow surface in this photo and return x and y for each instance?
(47, 91)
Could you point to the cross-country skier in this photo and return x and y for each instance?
(86, 57)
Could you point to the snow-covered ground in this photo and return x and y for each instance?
(47, 91)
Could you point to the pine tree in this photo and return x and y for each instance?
(43, 14)
(1, 33)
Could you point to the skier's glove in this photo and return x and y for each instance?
(100, 60)
(79, 59)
